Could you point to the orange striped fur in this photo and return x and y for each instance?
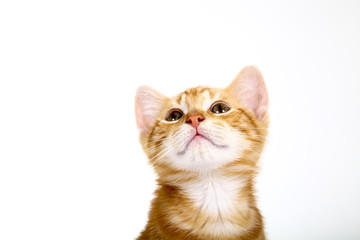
(205, 184)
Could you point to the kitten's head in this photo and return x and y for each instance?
(204, 129)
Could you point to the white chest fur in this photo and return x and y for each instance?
(216, 195)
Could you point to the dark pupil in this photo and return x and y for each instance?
(220, 108)
(174, 115)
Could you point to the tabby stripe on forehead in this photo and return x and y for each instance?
(193, 92)
(180, 98)
(201, 90)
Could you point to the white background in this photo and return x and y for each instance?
(71, 166)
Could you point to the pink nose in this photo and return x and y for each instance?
(195, 119)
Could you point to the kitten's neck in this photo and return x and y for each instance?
(213, 205)
(217, 195)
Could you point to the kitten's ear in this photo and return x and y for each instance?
(250, 90)
(148, 104)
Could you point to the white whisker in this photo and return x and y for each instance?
(171, 148)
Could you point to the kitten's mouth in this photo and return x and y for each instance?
(199, 137)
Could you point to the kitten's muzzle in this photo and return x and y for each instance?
(198, 134)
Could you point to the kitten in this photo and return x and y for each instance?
(204, 145)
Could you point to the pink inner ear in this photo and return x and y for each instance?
(140, 118)
(249, 88)
(148, 104)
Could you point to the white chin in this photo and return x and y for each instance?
(202, 156)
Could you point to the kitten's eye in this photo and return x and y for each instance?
(173, 115)
(219, 107)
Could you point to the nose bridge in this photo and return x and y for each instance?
(194, 111)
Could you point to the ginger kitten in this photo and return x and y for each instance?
(204, 145)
